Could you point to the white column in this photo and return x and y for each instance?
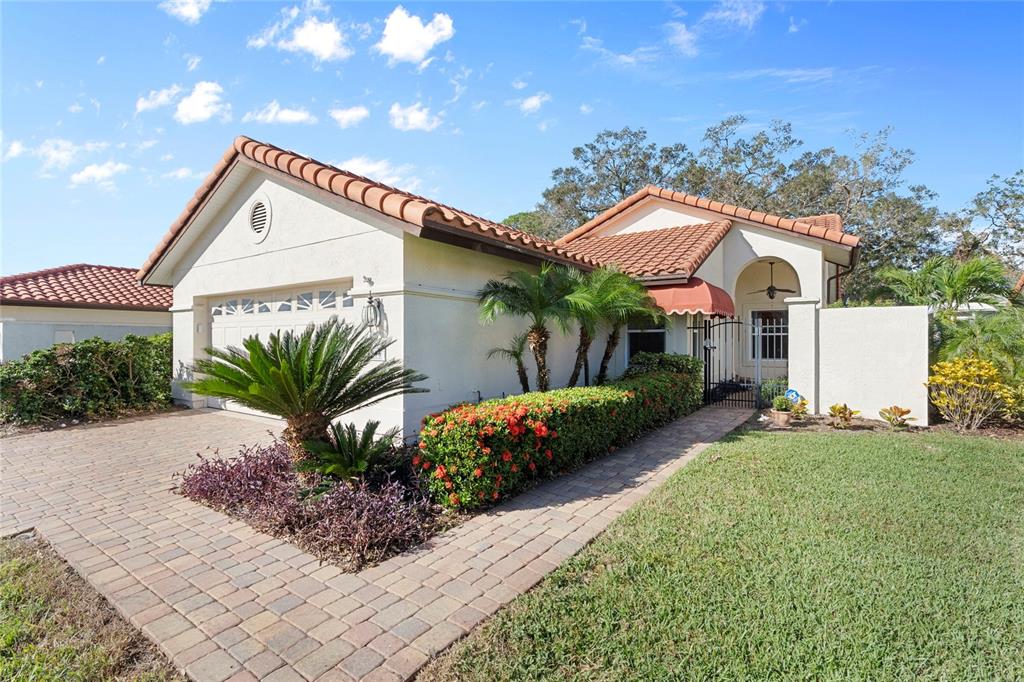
(803, 349)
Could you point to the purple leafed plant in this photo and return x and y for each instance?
(350, 525)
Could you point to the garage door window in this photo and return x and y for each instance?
(320, 300)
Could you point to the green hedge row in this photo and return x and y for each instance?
(478, 454)
(91, 377)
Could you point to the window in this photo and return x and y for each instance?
(262, 307)
(285, 306)
(328, 300)
(246, 307)
(644, 338)
(774, 334)
(304, 301)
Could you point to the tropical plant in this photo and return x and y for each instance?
(966, 391)
(841, 416)
(997, 337)
(896, 416)
(308, 378)
(781, 403)
(347, 455)
(540, 296)
(622, 300)
(515, 352)
(799, 409)
(947, 284)
(601, 296)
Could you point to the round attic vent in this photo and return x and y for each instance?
(259, 219)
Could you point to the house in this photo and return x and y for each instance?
(75, 302)
(274, 240)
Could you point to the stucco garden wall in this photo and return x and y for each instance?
(868, 358)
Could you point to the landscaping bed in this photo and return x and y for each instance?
(804, 555)
(54, 626)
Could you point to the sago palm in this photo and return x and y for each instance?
(539, 296)
(308, 378)
(515, 352)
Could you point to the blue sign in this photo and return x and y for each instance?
(793, 396)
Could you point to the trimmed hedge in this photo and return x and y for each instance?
(476, 455)
(646, 363)
(90, 378)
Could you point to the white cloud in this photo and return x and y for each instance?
(167, 157)
(407, 39)
(533, 103)
(202, 104)
(350, 116)
(796, 24)
(519, 84)
(14, 150)
(477, 106)
(60, 153)
(458, 83)
(383, 171)
(800, 75)
(641, 55)
(75, 108)
(99, 174)
(413, 117)
(146, 144)
(192, 61)
(544, 125)
(681, 38)
(586, 109)
(736, 13)
(323, 39)
(275, 113)
(189, 11)
(180, 174)
(101, 60)
(157, 98)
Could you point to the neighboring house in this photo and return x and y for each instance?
(274, 240)
(75, 302)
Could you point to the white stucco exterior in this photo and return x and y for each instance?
(24, 329)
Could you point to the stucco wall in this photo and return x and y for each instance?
(868, 358)
(24, 329)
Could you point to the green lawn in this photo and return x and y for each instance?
(796, 556)
(53, 626)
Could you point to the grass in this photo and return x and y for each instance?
(796, 556)
(53, 626)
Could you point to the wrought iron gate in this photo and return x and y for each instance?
(721, 343)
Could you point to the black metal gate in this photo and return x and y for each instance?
(721, 343)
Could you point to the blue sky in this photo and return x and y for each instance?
(113, 112)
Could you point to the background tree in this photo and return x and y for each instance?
(541, 297)
(308, 378)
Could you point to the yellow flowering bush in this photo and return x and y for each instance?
(967, 391)
(1013, 404)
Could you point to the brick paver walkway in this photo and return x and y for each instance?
(226, 602)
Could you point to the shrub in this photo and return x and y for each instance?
(781, 403)
(770, 388)
(1013, 404)
(799, 409)
(646, 363)
(841, 416)
(349, 524)
(966, 391)
(347, 455)
(90, 378)
(896, 416)
(477, 454)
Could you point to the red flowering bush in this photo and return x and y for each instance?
(477, 454)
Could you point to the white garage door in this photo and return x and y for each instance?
(261, 314)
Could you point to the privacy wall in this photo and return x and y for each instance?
(868, 358)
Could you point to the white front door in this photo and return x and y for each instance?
(239, 316)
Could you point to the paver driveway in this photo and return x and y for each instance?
(226, 602)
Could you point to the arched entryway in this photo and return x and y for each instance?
(761, 290)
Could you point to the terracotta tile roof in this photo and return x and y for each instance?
(84, 286)
(797, 226)
(390, 201)
(668, 251)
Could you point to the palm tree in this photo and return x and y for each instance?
(309, 379)
(997, 337)
(947, 284)
(541, 297)
(515, 352)
(630, 301)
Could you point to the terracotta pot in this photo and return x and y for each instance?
(781, 418)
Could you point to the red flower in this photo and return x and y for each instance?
(416, 460)
(494, 496)
(447, 485)
(548, 454)
(422, 445)
(541, 430)
(486, 451)
(533, 467)
(506, 456)
(440, 471)
(453, 498)
(515, 468)
(426, 465)
(478, 472)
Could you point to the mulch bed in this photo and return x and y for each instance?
(818, 424)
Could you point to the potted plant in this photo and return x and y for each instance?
(782, 411)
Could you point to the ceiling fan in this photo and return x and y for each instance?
(772, 290)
